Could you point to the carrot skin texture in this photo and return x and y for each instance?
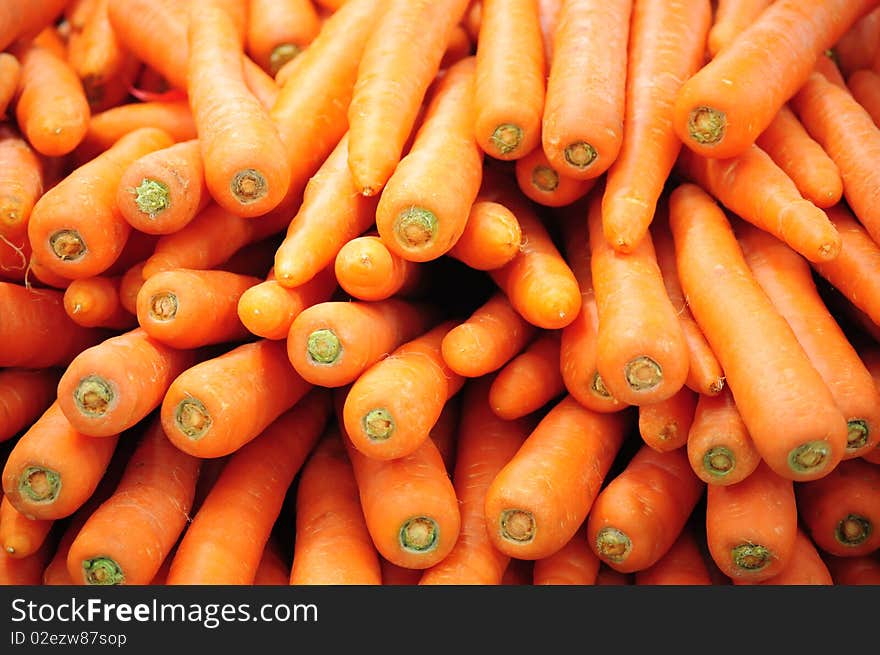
(573, 564)
(24, 395)
(20, 536)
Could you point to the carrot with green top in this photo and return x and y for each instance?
(664, 425)
(485, 444)
(731, 18)
(683, 564)
(537, 502)
(392, 406)
(332, 343)
(367, 269)
(492, 237)
(573, 564)
(278, 31)
(582, 124)
(25, 393)
(719, 446)
(21, 182)
(667, 43)
(94, 302)
(10, 74)
(864, 85)
(249, 493)
(530, 380)
(510, 82)
(767, 370)
(787, 280)
(19, 535)
(215, 407)
(542, 182)
(333, 545)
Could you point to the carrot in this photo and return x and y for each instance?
(805, 566)
(751, 526)
(19, 535)
(492, 237)
(848, 134)
(787, 280)
(36, 332)
(24, 22)
(395, 575)
(53, 469)
(129, 285)
(755, 188)
(572, 446)
(50, 105)
(249, 493)
(609, 577)
(10, 75)
(38, 272)
(75, 228)
(731, 18)
(719, 446)
(716, 118)
(367, 270)
(15, 256)
(278, 31)
(863, 570)
(273, 569)
(21, 182)
(94, 302)
(667, 43)
(864, 84)
(152, 500)
(409, 504)
(664, 425)
(582, 124)
(485, 444)
(573, 564)
(530, 380)
(510, 82)
(333, 545)
(857, 48)
(542, 183)
(768, 372)
(827, 66)
(638, 516)
(331, 214)
(25, 571)
(683, 564)
(25, 394)
(518, 572)
(164, 190)
(111, 386)
(458, 47)
(641, 352)
(486, 340)
(444, 434)
(840, 511)
(332, 343)
(548, 17)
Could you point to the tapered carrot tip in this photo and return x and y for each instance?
(192, 418)
(810, 457)
(67, 245)
(506, 138)
(856, 434)
(719, 462)
(378, 424)
(163, 306)
(707, 125)
(323, 346)
(751, 557)
(281, 55)
(152, 197)
(517, 525)
(613, 544)
(102, 571)
(545, 178)
(419, 534)
(853, 530)
(643, 373)
(249, 186)
(415, 227)
(39, 484)
(580, 154)
(93, 395)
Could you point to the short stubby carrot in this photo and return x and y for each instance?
(21, 182)
(25, 393)
(751, 526)
(682, 564)
(52, 470)
(573, 564)
(249, 493)
(641, 512)
(665, 425)
(641, 352)
(541, 182)
(367, 269)
(332, 343)
(582, 124)
(279, 31)
(530, 380)
(19, 535)
(537, 502)
(216, 406)
(333, 545)
(76, 229)
(246, 166)
(841, 511)
(510, 82)
(424, 206)
(94, 302)
(720, 111)
(492, 237)
(719, 446)
(731, 18)
(152, 500)
(767, 370)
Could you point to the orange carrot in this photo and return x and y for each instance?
(609, 577)
(731, 18)
(15, 255)
(864, 84)
(582, 124)
(10, 75)
(273, 569)
(805, 566)
(857, 48)
(24, 22)
(278, 31)
(863, 570)
(637, 517)
(25, 571)
(769, 374)
(541, 182)
(573, 564)
(367, 270)
(458, 47)
(21, 182)
(683, 564)
(249, 492)
(129, 285)
(528, 381)
(395, 575)
(25, 394)
(716, 116)
(492, 237)
(572, 446)
(94, 302)
(19, 535)
(548, 16)
(664, 425)
(827, 66)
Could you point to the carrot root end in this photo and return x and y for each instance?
(282, 54)
(517, 525)
(249, 186)
(719, 461)
(102, 571)
(67, 245)
(545, 179)
(152, 197)
(94, 396)
(613, 544)
(415, 227)
(853, 530)
(643, 373)
(506, 138)
(810, 457)
(857, 434)
(163, 306)
(707, 125)
(580, 155)
(419, 534)
(40, 485)
(192, 418)
(378, 424)
(751, 557)
(324, 347)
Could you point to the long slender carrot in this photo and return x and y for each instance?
(719, 111)
(768, 372)
(278, 31)
(94, 302)
(530, 380)
(719, 446)
(215, 407)
(637, 517)
(731, 18)
(367, 269)
(392, 83)
(249, 492)
(805, 566)
(751, 526)
(665, 425)
(53, 469)
(333, 545)
(492, 237)
(540, 181)
(682, 564)
(667, 43)
(10, 75)
(19, 535)
(527, 515)
(582, 125)
(864, 84)
(573, 564)
(641, 352)
(864, 570)
(787, 280)
(485, 444)
(25, 393)
(21, 182)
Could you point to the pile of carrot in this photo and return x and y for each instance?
(492, 292)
